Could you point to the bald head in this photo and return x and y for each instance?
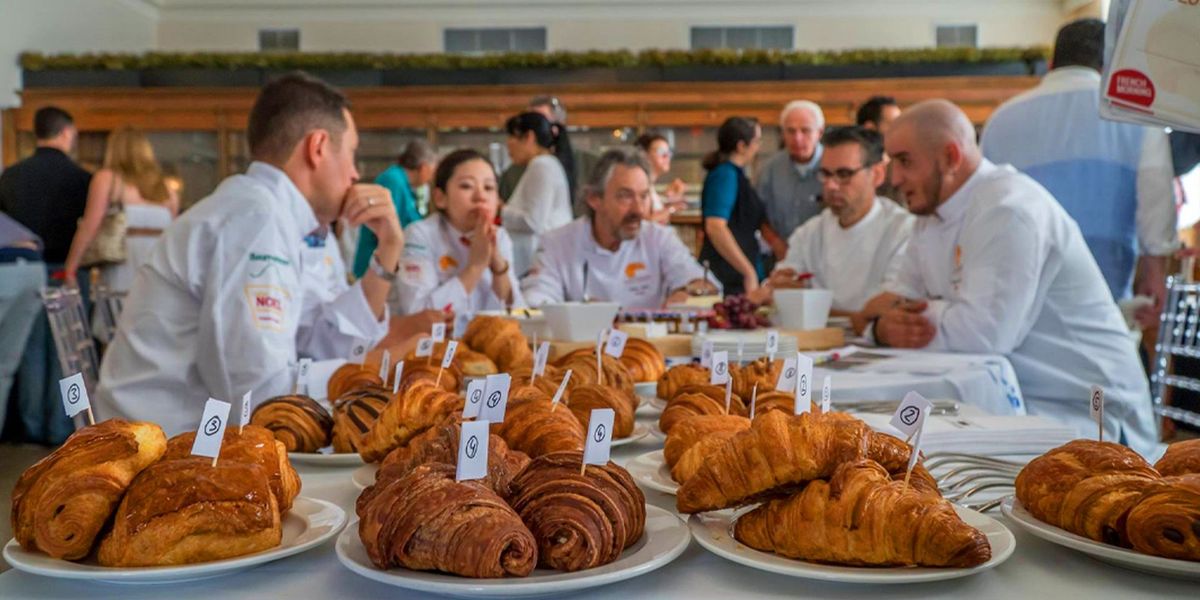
(940, 122)
(934, 151)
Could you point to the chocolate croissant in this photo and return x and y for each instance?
(354, 414)
(761, 372)
(350, 377)
(679, 376)
(780, 452)
(253, 444)
(579, 521)
(1166, 519)
(588, 397)
(296, 420)
(60, 504)
(499, 339)
(416, 409)
(697, 400)
(440, 445)
(533, 426)
(424, 520)
(185, 511)
(1181, 458)
(644, 360)
(693, 438)
(863, 517)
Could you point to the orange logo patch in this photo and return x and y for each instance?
(447, 262)
(631, 269)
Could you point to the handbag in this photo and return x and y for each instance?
(108, 247)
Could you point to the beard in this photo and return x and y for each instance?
(932, 194)
(629, 228)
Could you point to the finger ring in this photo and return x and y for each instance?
(370, 202)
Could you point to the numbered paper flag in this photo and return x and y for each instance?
(472, 451)
(562, 387)
(437, 333)
(448, 358)
(385, 365)
(74, 394)
(302, 375)
(425, 347)
(916, 445)
(719, 372)
(245, 416)
(599, 437)
(787, 376)
(495, 397)
(358, 353)
(826, 394)
(396, 377)
(804, 374)
(212, 428)
(910, 415)
(706, 352)
(474, 398)
(656, 329)
(540, 357)
(772, 343)
(1097, 404)
(616, 343)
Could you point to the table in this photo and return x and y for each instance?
(1037, 569)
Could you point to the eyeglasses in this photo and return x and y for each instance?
(664, 152)
(842, 175)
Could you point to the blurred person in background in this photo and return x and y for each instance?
(542, 199)
(659, 152)
(413, 169)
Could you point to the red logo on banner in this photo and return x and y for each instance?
(1131, 85)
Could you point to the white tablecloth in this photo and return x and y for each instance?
(1037, 569)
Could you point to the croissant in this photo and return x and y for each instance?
(547, 382)
(354, 414)
(1047, 486)
(583, 370)
(693, 438)
(772, 399)
(1182, 458)
(184, 511)
(426, 521)
(678, 376)
(781, 451)
(862, 517)
(499, 339)
(423, 370)
(761, 372)
(440, 445)
(534, 427)
(416, 409)
(352, 376)
(698, 400)
(469, 362)
(1166, 519)
(60, 504)
(579, 521)
(644, 360)
(296, 420)
(253, 444)
(588, 397)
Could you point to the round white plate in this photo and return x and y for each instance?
(665, 539)
(646, 389)
(656, 432)
(640, 430)
(364, 476)
(714, 531)
(320, 459)
(1121, 557)
(309, 523)
(650, 470)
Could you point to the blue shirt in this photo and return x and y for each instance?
(718, 197)
(395, 179)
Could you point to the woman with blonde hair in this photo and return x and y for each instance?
(132, 181)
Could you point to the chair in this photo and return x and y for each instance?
(72, 336)
(1177, 353)
(108, 304)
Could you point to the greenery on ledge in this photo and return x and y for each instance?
(34, 61)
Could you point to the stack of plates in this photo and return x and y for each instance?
(984, 435)
(754, 343)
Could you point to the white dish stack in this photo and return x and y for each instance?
(754, 343)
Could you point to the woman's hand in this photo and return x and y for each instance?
(480, 254)
(750, 281)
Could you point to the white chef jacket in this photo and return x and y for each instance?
(434, 254)
(215, 311)
(540, 202)
(1007, 272)
(851, 262)
(641, 273)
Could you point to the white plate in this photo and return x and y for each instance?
(665, 539)
(1122, 557)
(714, 531)
(656, 432)
(364, 476)
(650, 470)
(311, 522)
(640, 430)
(646, 389)
(320, 459)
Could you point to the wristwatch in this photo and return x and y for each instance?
(381, 271)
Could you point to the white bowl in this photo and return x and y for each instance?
(802, 309)
(579, 322)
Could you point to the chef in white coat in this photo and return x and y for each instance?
(216, 309)
(628, 260)
(995, 265)
(458, 259)
(857, 242)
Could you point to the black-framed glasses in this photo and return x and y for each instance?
(841, 175)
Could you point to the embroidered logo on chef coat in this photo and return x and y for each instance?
(261, 264)
(411, 271)
(956, 276)
(268, 305)
(447, 262)
(638, 279)
(631, 269)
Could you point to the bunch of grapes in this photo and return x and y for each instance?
(737, 312)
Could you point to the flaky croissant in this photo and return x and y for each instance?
(499, 339)
(1181, 458)
(449, 380)
(697, 400)
(692, 439)
(771, 399)
(583, 370)
(185, 511)
(440, 445)
(352, 376)
(60, 504)
(762, 372)
(579, 521)
(1166, 519)
(253, 444)
(644, 360)
(414, 410)
(296, 420)
(533, 426)
(863, 517)
(468, 361)
(355, 414)
(424, 520)
(588, 397)
(679, 376)
(781, 451)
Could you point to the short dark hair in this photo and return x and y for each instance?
(732, 131)
(633, 158)
(544, 132)
(288, 108)
(1080, 44)
(445, 169)
(49, 121)
(871, 111)
(416, 153)
(869, 141)
(646, 140)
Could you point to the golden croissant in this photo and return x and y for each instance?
(424, 520)
(296, 420)
(253, 444)
(644, 360)
(60, 504)
(863, 517)
(352, 376)
(588, 397)
(1181, 458)
(698, 400)
(185, 511)
(499, 339)
(761, 372)
(679, 376)
(781, 451)
(692, 439)
(440, 445)
(1166, 519)
(583, 370)
(579, 521)
(416, 409)
(535, 427)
